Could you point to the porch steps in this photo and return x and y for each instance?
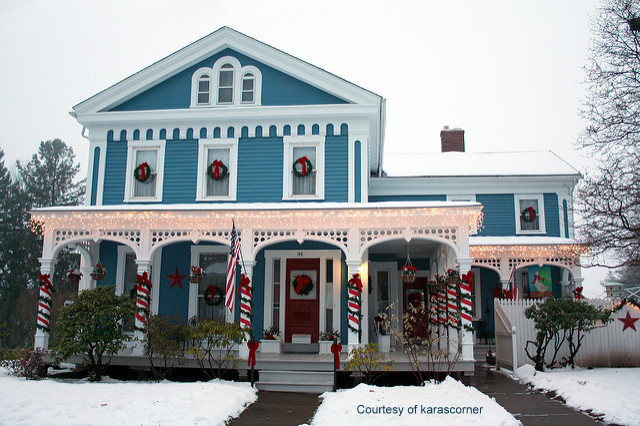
(295, 381)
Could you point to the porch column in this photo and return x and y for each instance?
(245, 307)
(144, 265)
(44, 304)
(85, 269)
(353, 336)
(465, 318)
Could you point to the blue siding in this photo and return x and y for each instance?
(336, 164)
(277, 88)
(109, 258)
(94, 175)
(489, 280)
(552, 215)
(115, 173)
(180, 171)
(174, 301)
(260, 170)
(383, 198)
(565, 216)
(358, 172)
(499, 214)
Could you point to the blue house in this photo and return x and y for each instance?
(229, 131)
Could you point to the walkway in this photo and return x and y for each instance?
(279, 408)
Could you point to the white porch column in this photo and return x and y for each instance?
(353, 337)
(245, 309)
(44, 308)
(85, 269)
(466, 319)
(144, 265)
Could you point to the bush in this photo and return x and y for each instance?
(92, 326)
(212, 345)
(26, 363)
(164, 340)
(366, 361)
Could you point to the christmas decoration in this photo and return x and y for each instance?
(354, 303)
(453, 313)
(217, 170)
(328, 336)
(497, 292)
(408, 270)
(143, 290)
(246, 293)
(212, 297)
(74, 277)
(196, 274)
(302, 285)
(528, 215)
(176, 279)
(98, 272)
(44, 303)
(142, 173)
(465, 306)
(577, 293)
(336, 348)
(253, 346)
(302, 167)
(271, 333)
(628, 322)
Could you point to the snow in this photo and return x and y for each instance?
(79, 402)
(612, 392)
(409, 405)
(531, 163)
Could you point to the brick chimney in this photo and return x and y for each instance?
(452, 140)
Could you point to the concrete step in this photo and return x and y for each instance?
(298, 387)
(295, 381)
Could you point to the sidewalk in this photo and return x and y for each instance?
(279, 408)
(525, 404)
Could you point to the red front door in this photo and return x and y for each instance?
(302, 298)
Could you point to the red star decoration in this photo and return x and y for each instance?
(497, 292)
(176, 279)
(628, 322)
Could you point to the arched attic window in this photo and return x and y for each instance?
(204, 90)
(248, 88)
(225, 84)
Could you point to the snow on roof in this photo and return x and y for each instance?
(525, 163)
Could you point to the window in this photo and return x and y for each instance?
(217, 169)
(204, 90)
(207, 298)
(226, 83)
(303, 167)
(530, 214)
(145, 162)
(248, 85)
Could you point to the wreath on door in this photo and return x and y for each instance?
(302, 284)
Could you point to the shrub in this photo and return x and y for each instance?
(212, 345)
(92, 326)
(366, 361)
(26, 363)
(163, 340)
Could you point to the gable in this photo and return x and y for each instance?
(278, 88)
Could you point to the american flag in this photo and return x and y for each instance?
(231, 268)
(513, 284)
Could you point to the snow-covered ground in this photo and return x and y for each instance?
(79, 402)
(447, 403)
(612, 392)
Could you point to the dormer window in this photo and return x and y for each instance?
(225, 84)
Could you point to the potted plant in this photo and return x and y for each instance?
(270, 342)
(196, 275)
(382, 336)
(326, 340)
(98, 272)
(409, 273)
(74, 277)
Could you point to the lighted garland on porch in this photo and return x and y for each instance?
(142, 173)
(354, 304)
(143, 290)
(246, 302)
(453, 313)
(217, 170)
(44, 303)
(302, 284)
(306, 167)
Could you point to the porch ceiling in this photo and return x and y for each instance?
(416, 248)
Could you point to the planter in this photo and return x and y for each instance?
(98, 275)
(270, 346)
(74, 279)
(195, 279)
(408, 278)
(384, 343)
(325, 346)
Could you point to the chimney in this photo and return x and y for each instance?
(452, 140)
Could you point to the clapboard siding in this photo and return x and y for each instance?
(336, 166)
(383, 198)
(115, 173)
(180, 171)
(499, 214)
(174, 301)
(552, 214)
(260, 162)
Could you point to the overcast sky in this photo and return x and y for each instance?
(508, 72)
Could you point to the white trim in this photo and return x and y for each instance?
(102, 144)
(195, 80)
(462, 197)
(291, 142)
(132, 148)
(203, 146)
(196, 251)
(541, 217)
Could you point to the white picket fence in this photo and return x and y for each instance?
(606, 346)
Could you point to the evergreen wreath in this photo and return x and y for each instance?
(210, 294)
(305, 167)
(302, 285)
(142, 173)
(217, 170)
(528, 215)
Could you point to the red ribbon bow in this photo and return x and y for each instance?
(244, 285)
(143, 279)
(45, 281)
(216, 170)
(530, 211)
(251, 362)
(468, 277)
(578, 293)
(302, 281)
(303, 161)
(357, 282)
(335, 350)
(143, 168)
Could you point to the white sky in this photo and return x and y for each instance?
(507, 72)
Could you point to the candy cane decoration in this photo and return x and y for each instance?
(452, 306)
(44, 303)
(354, 302)
(143, 292)
(245, 301)
(433, 306)
(442, 307)
(466, 307)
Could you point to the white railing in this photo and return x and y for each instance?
(605, 346)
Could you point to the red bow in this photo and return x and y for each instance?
(335, 350)
(356, 281)
(244, 285)
(302, 281)
(506, 294)
(303, 161)
(143, 279)
(45, 281)
(468, 277)
(143, 168)
(578, 293)
(251, 362)
(216, 171)
(530, 211)
(212, 290)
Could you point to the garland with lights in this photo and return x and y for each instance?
(354, 303)
(143, 291)
(246, 302)
(623, 302)
(142, 173)
(433, 304)
(305, 167)
(210, 294)
(44, 303)
(528, 215)
(217, 170)
(453, 301)
(302, 285)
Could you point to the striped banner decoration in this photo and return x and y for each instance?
(44, 303)
(245, 301)
(143, 297)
